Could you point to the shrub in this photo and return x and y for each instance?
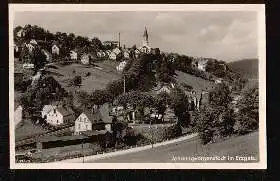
(245, 125)
(88, 74)
(206, 125)
(226, 124)
(248, 115)
(77, 80)
(174, 131)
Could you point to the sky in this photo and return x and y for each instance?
(227, 35)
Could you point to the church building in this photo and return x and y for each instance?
(145, 48)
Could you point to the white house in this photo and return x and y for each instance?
(121, 66)
(46, 109)
(48, 55)
(28, 65)
(137, 51)
(34, 42)
(18, 115)
(126, 54)
(73, 55)
(30, 47)
(55, 49)
(82, 123)
(113, 56)
(87, 58)
(145, 49)
(101, 54)
(218, 81)
(202, 63)
(16, 48)
(60, 115)
(117, 51)
(108, 53)
(94, 119)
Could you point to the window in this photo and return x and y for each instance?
(57, 121)
(86, 127)
(79, 126)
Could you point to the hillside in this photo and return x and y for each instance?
(246, 67)
(197, 83)
(98, 78)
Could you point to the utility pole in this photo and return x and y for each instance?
(119, 40)
(124, 83)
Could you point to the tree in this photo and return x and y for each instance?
(130, 137)
(99, 97)
(96, 43)
(220, 96)
(77, 80)
(179, 103)
(117, 129)
(206, 124)
(39, 58)
(160, 103)
(226, 123)
(83, 98)
(248, 114)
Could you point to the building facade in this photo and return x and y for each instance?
(73, 55)
(18, 115)
(55, 49)
(145, 48)
(60, 115)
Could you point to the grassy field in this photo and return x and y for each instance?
(27, 129)
(98, 78)
(197, 83)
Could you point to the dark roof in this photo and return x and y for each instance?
(55, 43)
(100, 114)
(95, 132)
(61, 138)
(65, 111)
(93, 116)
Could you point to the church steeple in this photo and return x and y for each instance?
(145, 37)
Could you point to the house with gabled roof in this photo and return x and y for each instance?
(20, 33)
(73, 55)
(93, 119)
(88, 58)
(202, 63)
(121, 66)
(49, 107)
(55, 48)
(126, 53)
(60, 115)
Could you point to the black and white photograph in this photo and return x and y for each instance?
(137, 86)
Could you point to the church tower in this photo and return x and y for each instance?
(145, 38)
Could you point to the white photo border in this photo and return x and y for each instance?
(258, 8)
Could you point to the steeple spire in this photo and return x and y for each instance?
(145, 37)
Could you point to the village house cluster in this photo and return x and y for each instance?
(81, 55)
